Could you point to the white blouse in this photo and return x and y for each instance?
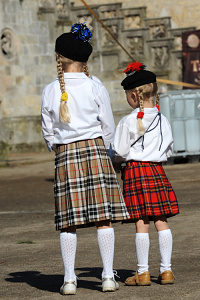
(89, 107)
(155, 145)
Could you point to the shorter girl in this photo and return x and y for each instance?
(144, 140)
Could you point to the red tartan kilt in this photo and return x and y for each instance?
(147, 191)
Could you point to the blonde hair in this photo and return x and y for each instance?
(145, 92)
(62, 63)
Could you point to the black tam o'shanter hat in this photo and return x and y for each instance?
(75, 44)
(137, 76)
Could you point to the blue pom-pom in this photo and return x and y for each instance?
(81, 31)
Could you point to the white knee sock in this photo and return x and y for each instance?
(106, 240)
(68, 243)
(165, 246)
(142, 252)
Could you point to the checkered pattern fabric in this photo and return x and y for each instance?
(147, 191)
(86, 187)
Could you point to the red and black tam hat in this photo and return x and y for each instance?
(75, 44)
(137, 76)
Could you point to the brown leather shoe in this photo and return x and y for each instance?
(142, 279)
(167, 277)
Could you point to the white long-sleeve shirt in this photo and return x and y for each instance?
(155, 146)
(89, 107)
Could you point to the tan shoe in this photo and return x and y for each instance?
(142, 279)
(167, 277)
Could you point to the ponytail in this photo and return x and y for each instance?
(157, 101)
(64, 110)
(144, 92)
(141, 113)
(62, 63)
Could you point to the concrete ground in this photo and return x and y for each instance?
(30, 259)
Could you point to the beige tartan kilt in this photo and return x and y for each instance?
(86, 189)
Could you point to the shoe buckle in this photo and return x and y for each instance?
(136, 277)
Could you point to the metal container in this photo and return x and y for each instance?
(182, 109)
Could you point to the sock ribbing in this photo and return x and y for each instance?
(142, 251)
(106, 240)
(165, 246)
(68, 242)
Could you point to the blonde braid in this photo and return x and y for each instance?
(85, 69)
(157, 99)
(64, 111)
(141, 103)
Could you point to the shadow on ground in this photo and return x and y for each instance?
(52, 283)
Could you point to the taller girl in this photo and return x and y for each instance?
(77, 123)
(144, 140)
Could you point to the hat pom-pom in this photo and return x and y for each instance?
(81, 31)
(134, 67)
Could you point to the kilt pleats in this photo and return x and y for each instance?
(147, 191)
(86, 187)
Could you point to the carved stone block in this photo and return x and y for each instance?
(159, 53)
(106, 40)
(62, 7)
(134, 40)
(109, 11)
(133, 17)
(158, 27)
(132, 22)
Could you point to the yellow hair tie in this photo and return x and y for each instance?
(64, 97)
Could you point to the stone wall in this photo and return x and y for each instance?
(27, 60)
(183, 13)
(26, 65)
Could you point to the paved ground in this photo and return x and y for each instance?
(30, 260)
